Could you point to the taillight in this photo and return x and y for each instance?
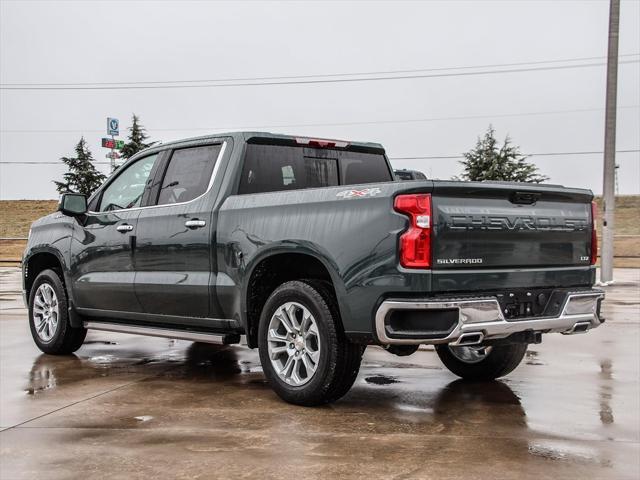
(415, 243)
(594, 233)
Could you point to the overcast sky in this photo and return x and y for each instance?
(112, 41)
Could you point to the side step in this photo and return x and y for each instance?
(216, 338)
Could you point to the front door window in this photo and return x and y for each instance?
(126, 190)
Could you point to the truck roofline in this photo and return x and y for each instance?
(244, 135)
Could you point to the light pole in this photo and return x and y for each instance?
(608, 188)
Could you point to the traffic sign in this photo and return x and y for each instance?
(113, 126)
(113, 155)
(112, 143)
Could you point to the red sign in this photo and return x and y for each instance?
(112, 143)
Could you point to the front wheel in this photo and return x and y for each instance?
(482, 362)
(304, 353)
(49, 318)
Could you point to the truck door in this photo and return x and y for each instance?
(173, 257)
(102, 249)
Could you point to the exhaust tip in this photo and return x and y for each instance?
(579, 327)
(466, 339)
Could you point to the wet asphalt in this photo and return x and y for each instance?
(126, 407)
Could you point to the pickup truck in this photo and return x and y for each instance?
(310, 250)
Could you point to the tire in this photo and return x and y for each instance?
(337, 360)
(49, 295)
(497, 362)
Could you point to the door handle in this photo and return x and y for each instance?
(124, 228)
(195, 223)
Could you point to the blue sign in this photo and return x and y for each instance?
(113, 126)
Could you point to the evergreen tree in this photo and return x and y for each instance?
(489, 161)
(82, 177)
(136, 139)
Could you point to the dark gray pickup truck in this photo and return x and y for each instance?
(309, 250)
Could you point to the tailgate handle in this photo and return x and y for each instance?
(524, 198)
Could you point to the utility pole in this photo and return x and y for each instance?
(608, 187)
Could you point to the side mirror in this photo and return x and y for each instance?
(73, 204)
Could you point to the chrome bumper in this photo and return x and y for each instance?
(481, 319)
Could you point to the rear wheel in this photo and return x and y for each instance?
(304, 354)
(482, 362)
(49, 317)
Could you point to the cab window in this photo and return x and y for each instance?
(127, 189)
(272, 168)
(188, 174)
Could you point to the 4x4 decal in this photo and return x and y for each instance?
(365, 192)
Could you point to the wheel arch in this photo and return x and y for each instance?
(279, 264)
(38, 261)
(42, 259)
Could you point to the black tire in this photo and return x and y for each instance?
(66, 339)
(499, 361)
(339, 359)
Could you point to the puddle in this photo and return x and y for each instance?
(103, 359)
(567, 453)
(143, 418)
(413, 408)
(381, 380)
(42, 378)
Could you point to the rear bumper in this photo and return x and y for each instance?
(480, 319)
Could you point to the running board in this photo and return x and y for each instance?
(218, 339)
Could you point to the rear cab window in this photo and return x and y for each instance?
(274, 167)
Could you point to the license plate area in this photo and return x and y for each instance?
(521, 304)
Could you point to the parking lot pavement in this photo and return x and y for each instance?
(131, 407)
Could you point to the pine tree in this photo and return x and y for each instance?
(82, 177)
(489, 161)
(136, 139)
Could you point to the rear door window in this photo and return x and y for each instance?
(188, 174)
(271, 168)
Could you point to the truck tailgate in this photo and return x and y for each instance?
(507, 225)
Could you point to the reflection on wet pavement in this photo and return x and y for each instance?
(606, 414)
(134, 407)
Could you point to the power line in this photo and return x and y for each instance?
(546, 154)
(315, 81)
(370, 122)
(294, 77)
(421, 157)
(3, 162)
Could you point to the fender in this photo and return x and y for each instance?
(33, 251)
(75, 319)
(301, 247)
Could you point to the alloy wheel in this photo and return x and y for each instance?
(294, 343)
(45, 312)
